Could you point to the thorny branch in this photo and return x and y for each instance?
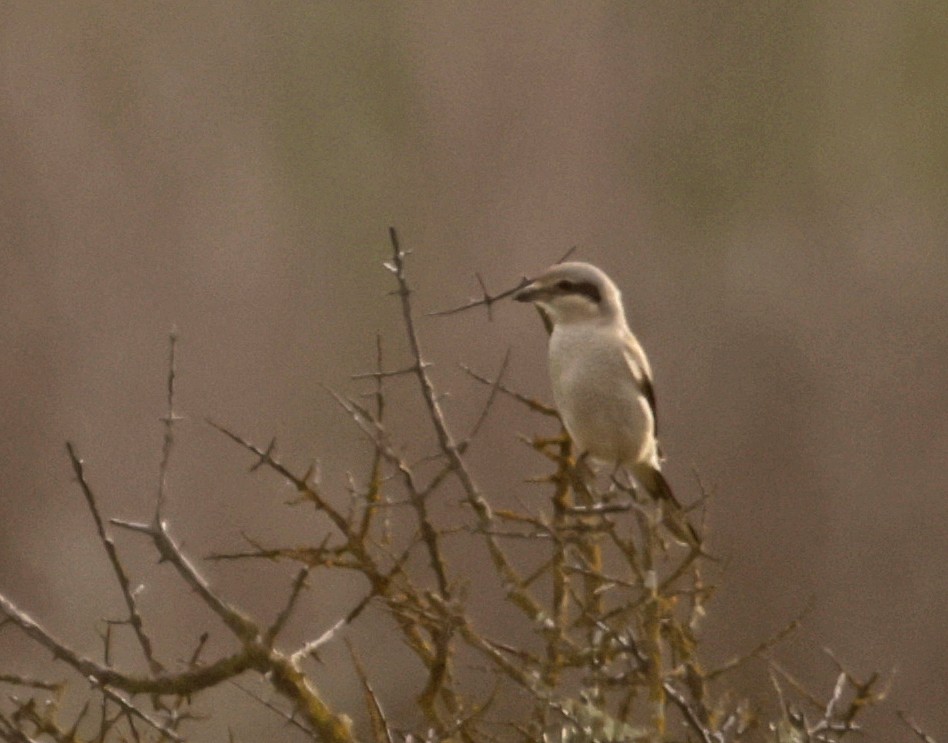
(256, 651)
(487, 300)
(914, 727)
(128, 594)
(512, 581)
(168, 421)
(601, 633)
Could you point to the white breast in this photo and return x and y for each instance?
(598, 396)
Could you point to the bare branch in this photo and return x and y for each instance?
(569, 251)
(378, 584)
(302, 484)
(373, 495)
(236, 621)
(865, 694)
(914, 727)
(282, 618)
(417, 496)
(534, 405)
(133, 711)
(487, 299)
(777, 669)
(386, 374)
(691, 716)
(603, 636)
(168, 421)
(285, 716)
(182, 683)
(764, 647)
(10, 678)
(380, 728)
(490, 398)
(449, 446)
(128, 594)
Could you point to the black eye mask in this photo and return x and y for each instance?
(585, 288)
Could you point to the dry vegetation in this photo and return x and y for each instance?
(606, 645)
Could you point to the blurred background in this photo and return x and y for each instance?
(767, 182)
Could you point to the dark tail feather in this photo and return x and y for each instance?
(676, 519)
(652, 479)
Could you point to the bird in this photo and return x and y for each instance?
(601, 378)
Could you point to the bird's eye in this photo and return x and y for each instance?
(564, 285)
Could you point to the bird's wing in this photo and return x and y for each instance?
(642, 373)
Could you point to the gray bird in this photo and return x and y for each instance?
(601, 378)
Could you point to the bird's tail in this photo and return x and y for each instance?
(652, 479)
(655, 483)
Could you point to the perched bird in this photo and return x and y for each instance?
(601, 379)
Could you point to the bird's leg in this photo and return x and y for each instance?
(626, 487)
(584, 479)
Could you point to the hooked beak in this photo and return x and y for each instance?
(530, 293)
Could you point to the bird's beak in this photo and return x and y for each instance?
(530, 293)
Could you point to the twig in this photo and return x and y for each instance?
(380, 582)
(534, 405)
(104, 723)
(132, 710)
(287, 717)
(385, 374)
(835, 697)
(865, 694)
(240, 624)
(284, 674)
(282, 618)
(10, 678)
(490, 398)
(691, 716)
(914, 727)
(186, 682)
(380, 728)
(373, 495)
(775, 682)
(417, 497)
(449, 446)
(134, 617)
(763, 647)
(777, 669)
(302, 484)
(487, 299)
(168, 421)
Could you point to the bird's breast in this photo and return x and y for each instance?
(597, 396)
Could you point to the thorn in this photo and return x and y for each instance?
(265, 457)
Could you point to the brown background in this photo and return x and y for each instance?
(766, 181)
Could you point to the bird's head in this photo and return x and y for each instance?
(574, 292)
